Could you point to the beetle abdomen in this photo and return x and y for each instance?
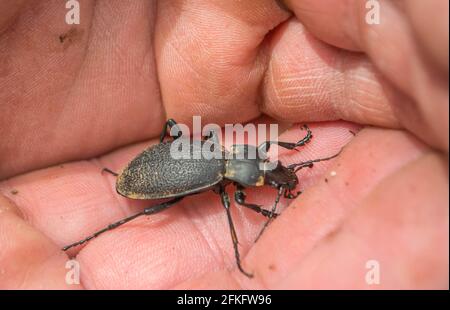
(156, 174)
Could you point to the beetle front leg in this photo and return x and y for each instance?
(288, 194)
(265, 146)
(277, 199)
(239, 197)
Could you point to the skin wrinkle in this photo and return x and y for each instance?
(339, 75)
(274, 87)
(347, 88)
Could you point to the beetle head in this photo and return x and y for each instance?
(281, 176)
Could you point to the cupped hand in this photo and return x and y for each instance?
(77, 98)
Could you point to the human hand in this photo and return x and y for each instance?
(71, 93)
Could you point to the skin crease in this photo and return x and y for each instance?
(75, 99)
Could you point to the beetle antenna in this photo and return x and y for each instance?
(309, 163)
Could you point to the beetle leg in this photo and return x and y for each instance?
(288, 194)
(265, 146)
(213, 138)
(226, 204)
(310, 163)
(110, 171)
(277, 199)
(211, 135)
(146, 211)
(168, 125)
(239, 197)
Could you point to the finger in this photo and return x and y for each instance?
(28, 259)
(70, 202)
(308, 80)
(386, 44)
(345, 24)
(293, 77)
(431, 31)
(211, 57)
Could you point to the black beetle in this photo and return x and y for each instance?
(155, 174)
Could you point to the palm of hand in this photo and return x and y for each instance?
(386, 202)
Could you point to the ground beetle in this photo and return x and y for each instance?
(155, 174)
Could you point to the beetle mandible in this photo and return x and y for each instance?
(155, 174)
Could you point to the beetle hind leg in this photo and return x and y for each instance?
(147, 211)
(281, 189)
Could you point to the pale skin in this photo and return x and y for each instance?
(75, 101)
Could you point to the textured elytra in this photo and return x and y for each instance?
(156, 174)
